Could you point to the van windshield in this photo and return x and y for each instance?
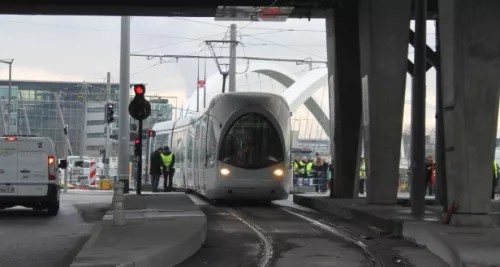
(82, 164)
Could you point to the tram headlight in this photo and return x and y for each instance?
(224, 171)
(278, 172)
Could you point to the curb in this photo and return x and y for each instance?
(428, 239)
(174, 255)
(384, 226)
(160, 230)
(166, 256)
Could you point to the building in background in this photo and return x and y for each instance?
(36, 111)
(39, 113)
(4, 111)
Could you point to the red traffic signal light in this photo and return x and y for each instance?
(139, 89)
(137, 141)
(151, 133)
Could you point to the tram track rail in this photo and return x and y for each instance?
(266, 240)
(373, 259)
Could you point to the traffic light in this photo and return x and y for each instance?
(151, 133)
(139, 90)
(139, 108)
(110, 112)
(137, 147)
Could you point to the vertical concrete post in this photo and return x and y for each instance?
(418, 92)
(384, 40)
(346, 88)
(470, 66)
(330, 53)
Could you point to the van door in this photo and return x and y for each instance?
(8, 168)
(33, 173)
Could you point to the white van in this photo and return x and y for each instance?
(28, 173)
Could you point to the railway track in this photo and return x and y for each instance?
(288, 236)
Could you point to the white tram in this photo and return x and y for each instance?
(235, 149)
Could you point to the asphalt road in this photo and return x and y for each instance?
(31, 238)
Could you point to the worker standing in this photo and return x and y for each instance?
(168, 159)
(156, 168)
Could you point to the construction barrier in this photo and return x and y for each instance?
(93, 175)
(319, 179)
(105, 184)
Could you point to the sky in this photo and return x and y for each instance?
(82, 48)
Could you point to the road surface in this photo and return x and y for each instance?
(32, 239)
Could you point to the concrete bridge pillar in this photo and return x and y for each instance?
(384, 40)
(345, 94)
(470, 68)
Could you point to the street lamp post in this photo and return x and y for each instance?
(9, 61)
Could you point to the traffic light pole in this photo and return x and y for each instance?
(66, 158)
(139, 109)
(139, 161)
(107, 129)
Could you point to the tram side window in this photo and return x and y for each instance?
(190, 144)
(212, 140)
(252, 142)
(161, 140)
(178, 146)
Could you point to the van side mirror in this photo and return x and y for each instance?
(63, 164)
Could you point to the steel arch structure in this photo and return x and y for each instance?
(299, 90)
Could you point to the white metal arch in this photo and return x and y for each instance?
(300, 90)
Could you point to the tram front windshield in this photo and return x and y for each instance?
(252, 143)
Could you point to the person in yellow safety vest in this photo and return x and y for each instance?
(297, 166)
(495, 179)
(362, 176)
(309, 167)
(302, 166)
(168, 159)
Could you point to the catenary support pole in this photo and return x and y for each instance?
(232, 60)
(198, 88)
(124, 130)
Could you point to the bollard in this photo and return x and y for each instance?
(119, 204)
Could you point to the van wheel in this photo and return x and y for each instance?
(53, 208)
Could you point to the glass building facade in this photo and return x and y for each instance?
(37, 112)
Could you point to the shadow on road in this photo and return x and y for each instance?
(92, 212)
(24, 213)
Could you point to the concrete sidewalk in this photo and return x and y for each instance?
(162, 229)
(457, 246)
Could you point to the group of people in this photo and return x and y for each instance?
(315, 168)
(162, 163)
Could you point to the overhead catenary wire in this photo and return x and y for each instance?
(177, 43)
(226, 57)
(249, 28)
(162, 61)
(285, 46)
